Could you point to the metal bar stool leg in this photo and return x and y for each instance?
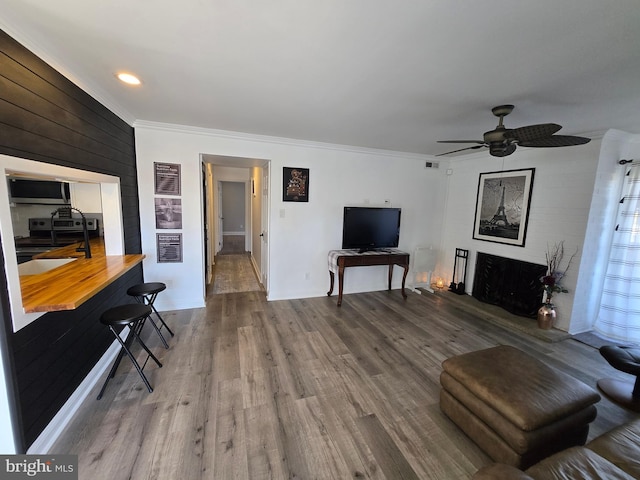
(146, 349)
(142, 300)
(121, 354)
(116, 363)
(146, 294)
(155, 327)
(134, 361)
(124, 349)
(150, 303)
(133, 316)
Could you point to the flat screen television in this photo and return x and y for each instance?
(370, 228)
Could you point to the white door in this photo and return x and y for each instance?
(220, 218)
(264, 226)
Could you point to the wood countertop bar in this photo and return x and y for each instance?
(68, 286)
(69, 251)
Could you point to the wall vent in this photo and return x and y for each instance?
(431, 164)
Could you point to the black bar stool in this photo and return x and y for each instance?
(146, 293)
(134, 316)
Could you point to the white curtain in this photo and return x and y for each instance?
(619, 316)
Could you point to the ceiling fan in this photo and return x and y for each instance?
(503, 141)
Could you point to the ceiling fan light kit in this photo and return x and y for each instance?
(503, 141)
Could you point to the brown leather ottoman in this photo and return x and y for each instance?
(514, 407)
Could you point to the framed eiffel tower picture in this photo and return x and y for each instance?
(502, 206)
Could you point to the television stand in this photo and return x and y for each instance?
(341, 259)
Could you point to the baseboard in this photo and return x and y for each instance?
(256, 270)
(56, 426)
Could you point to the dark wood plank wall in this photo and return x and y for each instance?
(45, 117)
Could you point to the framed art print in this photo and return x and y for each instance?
(295, 184)
(167, 178)
(169, 247)
(168, 212)
(502, 206)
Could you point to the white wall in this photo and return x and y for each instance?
(559, 211)
(231, 177)
(301, 234)
(233, 208)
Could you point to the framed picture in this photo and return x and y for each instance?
(295, 184)
(167, 178)
(168, 212)
(502, 206)
(169, 246)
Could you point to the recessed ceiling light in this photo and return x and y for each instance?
(129, 78)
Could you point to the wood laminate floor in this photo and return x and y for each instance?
(232, 245)
(234, 273)
(302, 389)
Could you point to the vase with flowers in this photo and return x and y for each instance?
(552, 283)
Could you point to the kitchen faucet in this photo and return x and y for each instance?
(66, 211)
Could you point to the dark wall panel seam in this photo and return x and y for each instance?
(28, 95)
(42, 70)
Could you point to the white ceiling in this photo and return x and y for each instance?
(397, 75)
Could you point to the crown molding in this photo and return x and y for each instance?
(252, 137)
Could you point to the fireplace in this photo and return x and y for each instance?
(512, 284)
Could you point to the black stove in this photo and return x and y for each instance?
(59, 225)
(47, 234)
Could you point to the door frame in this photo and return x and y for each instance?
(264, 225)
(213, 202)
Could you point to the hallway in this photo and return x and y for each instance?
(233, 273)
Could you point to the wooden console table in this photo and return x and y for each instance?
(340, 259)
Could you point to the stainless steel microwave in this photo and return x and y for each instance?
(47, 192)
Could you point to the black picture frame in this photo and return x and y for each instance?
(169, 247)
(167, 178)
(295, 184)
(168, 213)
(502, 206)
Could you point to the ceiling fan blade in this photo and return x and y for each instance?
(555, 141)
(461, 150)
(532, 132)
(503, 141)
